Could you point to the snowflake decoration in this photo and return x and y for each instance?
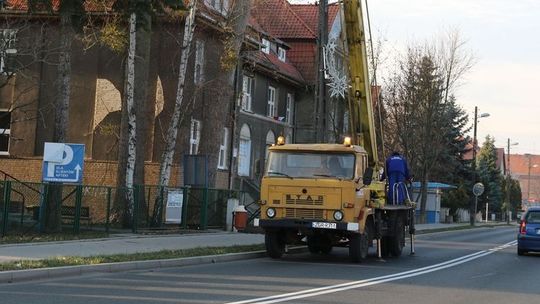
(337, 80)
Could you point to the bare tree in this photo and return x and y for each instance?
(420, 105)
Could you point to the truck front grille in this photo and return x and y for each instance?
(316, 200)
(304, 213)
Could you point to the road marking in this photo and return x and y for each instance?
(374, 281)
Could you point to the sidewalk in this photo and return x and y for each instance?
(131, 243)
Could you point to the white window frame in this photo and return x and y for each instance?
(271, 110)
(194, 136)
(265, 46)
(222, 6)
(247, 91)
(198, 70)
(289, 108)
(223, 150)
(282, 54)
(6, 132)
(8, 38)
(244, 151)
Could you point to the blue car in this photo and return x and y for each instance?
(528, 238)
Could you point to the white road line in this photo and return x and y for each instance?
(373, 281)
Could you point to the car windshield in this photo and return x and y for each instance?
(310, 165)
(533, 217)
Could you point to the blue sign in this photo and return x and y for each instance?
(63, 163)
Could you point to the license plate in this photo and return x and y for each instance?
(324, 225)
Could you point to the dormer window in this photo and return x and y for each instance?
(282, 54)
(265, 46)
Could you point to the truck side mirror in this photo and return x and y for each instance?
(367, 178)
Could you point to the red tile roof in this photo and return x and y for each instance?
(279, 20)
(272, 62)
(309, 13)
(303, 54)
(519, 164)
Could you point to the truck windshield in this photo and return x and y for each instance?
(310, 165)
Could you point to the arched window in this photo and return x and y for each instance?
(244, 153)
(270, 139)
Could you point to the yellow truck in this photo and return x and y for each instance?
(329, 195)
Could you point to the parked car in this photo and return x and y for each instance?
(528, 237)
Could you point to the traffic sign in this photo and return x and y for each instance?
(63, 163)
(478, 189)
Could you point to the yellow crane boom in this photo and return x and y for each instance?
(360, 104)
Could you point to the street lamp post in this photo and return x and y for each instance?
(508, 179)
(472, 216)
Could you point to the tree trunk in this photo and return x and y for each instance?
(52, 218)
(172, 132)
(224, 89)
(131, 122)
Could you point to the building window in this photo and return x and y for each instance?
(195, 136)
(265, 46)
(5, 131)
(289, 109)
(8, 38)
(282, 54)
(221, 6)
(198, 77)
(247, 91)
(270, 140)
(244, 153)
(223, 148)
(272, 108)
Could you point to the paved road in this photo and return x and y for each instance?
(476, 266)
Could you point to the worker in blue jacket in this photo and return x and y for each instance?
(397, 173)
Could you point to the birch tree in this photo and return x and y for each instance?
(234, 31)
(134, 130)
(172, 131)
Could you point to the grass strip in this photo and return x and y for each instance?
(143, 256)
(456, 228)
(56, 237)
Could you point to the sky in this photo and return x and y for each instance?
(503, 36)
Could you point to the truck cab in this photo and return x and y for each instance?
(315, 194)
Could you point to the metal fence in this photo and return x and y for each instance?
(24, 207)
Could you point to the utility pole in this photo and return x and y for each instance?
(472, 209)
(320, 102)
(508, 181)
(472, 206)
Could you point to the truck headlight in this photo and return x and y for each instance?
(270, 212)
(338, 215)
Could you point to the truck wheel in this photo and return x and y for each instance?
(358, 247)
(326, 249)
(275, 246)
(385, 247)
(397, 241)
(313, 244)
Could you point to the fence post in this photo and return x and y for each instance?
(7, 198)
(204, 209)
(185, 208)
(108, 212)
(42, 207)
(78, 203)
(135, 208)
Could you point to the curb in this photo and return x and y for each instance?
(13, 276)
